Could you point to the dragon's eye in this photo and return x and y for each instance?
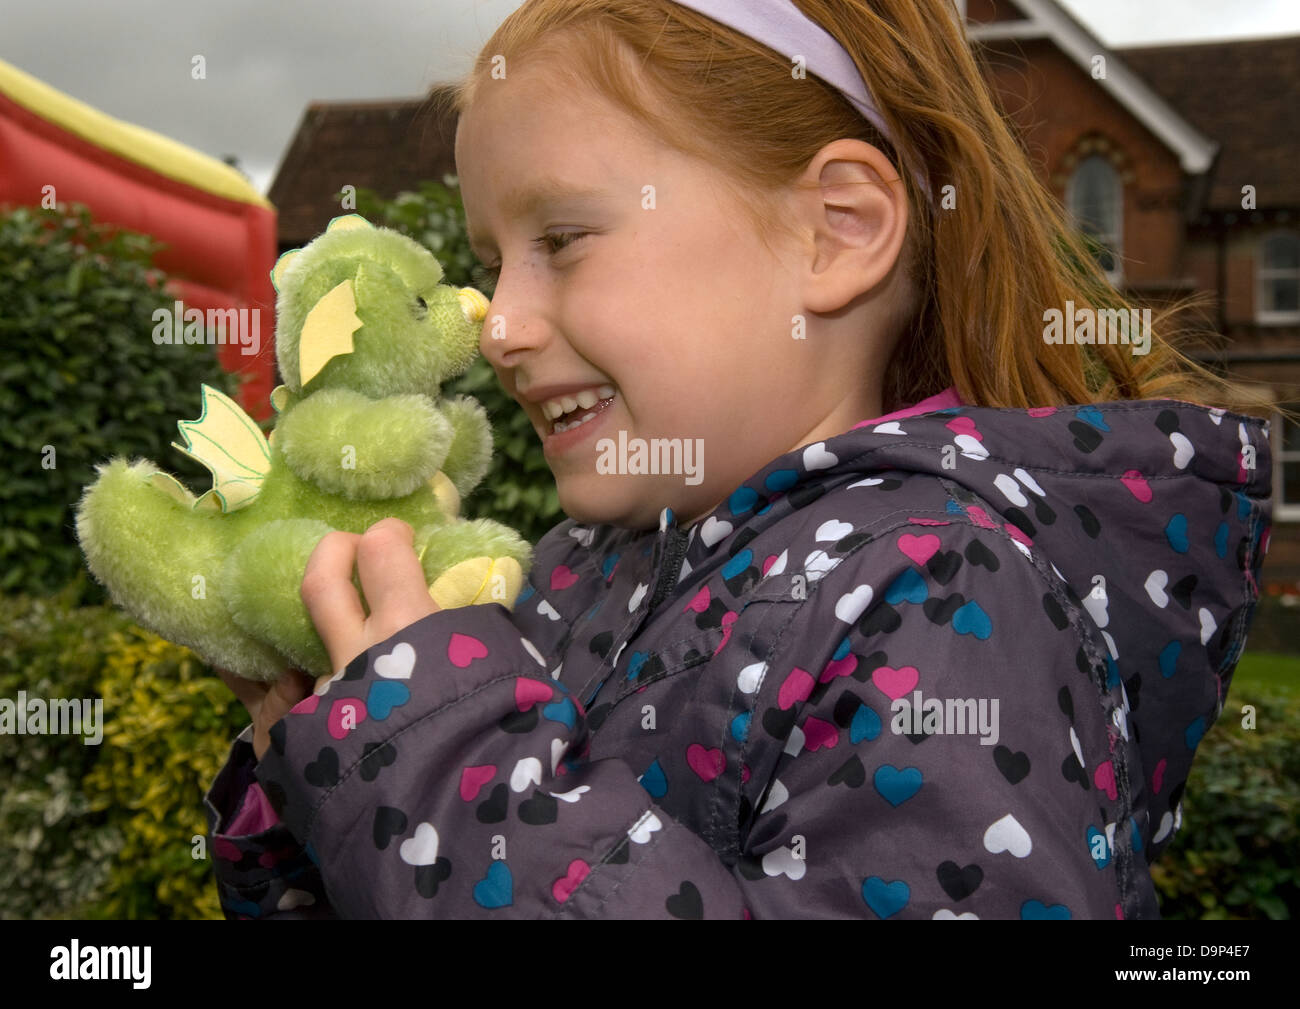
(423, 306)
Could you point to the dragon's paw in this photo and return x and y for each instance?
(478, 580)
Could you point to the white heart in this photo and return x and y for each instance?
(1022, 548)
(1155, 586)
(971, 447)
(547, 610)
(324, 688)
(1110, 836)
(870, 481)
(1010, 490)
(795, 743)
(527, 771)
(1216, 415)
(778, 565)
(1096, 607)
(573, 795)
(819, 563)
(714, 530)
(640, 832)
(1121, 723)
(816, 456)
(295, 898)
(1183, 449)
(637, 595)
(1006, 834)
(831, 530)
(1078, 750)
(686, 570)
(1208, 625)
(784, 861)
(852, 604)
(1110, 644)
(555, 673)
(530, 648)
(1029, 482)
(1166, 825)
(618, 653)
(583, 535)
(776, 795)
(397, 664)
(943, 914)
(557, 751)
(422, 848)
(751, 677)
(890, 428)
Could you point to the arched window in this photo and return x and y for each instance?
(1095, 198)
(1277, 297)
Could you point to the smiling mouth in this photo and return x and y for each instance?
(581, 415)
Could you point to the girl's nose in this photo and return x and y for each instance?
(508, 333)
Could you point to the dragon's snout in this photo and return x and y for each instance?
(473, 303)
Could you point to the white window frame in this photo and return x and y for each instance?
(1114, 242)
(1264, 274)
(1287, 511)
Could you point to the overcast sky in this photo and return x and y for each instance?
(266, 60)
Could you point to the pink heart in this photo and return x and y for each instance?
(708, 764)
(769, 562)
(728, 619)
(744, 774)
(351, 708)
(817, 733)
(306, 706)
(1137, 485)
(797, 686)
(563, 887)
(1041, 411)
(839, 667)
(463, 649)
(474, 778)
(1158, 776)
(529, 692)
(1018, 534)
(562, 577)
(226, 849)
(701, 601)
(1104, 778)
(964, 425)
(980, 517)
(919, 548)
(927, 522)
(895, 682)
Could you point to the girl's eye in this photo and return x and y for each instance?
(556, 242)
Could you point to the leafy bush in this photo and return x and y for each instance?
(519, 489)
(80, 379)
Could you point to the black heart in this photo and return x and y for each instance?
(957, 882)
(1182, 591)
(778, 723)
(651, 669)
(694, 658)
(520, 721)
(493, 808)
(620, 855)
(805, 494)
(917, 738)
(940, 611)
(889, 483)
(845, 708)
(427, 877)
(1088, 520)
(1086, 437)
(711, 617)
(977, 553)
(1066, 703)
(1167, 421)
(389, 823)
(751, 868)
(1054, 612)
(1043, 511)
(597, 715)
(1176, 795)
(323, 772)
(1072, 770)
(1133, 689)
(686, 902)
(879, 618)
(1014, 766)
(847, 543)
(1225, 499)
(356, 669)
(275, 795)
(851, 772)
(375, 758)
(601, 644)
(540, 809)
(869, 665)
(1021, 521)
(943, 566)
(276, 732)
(739, 584)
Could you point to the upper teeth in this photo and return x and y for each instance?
(558, 407)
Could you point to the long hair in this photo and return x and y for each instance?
(982, 274)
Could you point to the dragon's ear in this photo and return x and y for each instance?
(281, 265)
(348, 222)
(327, 331)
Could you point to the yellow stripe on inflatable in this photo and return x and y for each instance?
(126, 140)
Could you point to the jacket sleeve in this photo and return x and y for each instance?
(442, 775)
(261, 871)
(949, 744)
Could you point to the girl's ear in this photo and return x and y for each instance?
(852, 206)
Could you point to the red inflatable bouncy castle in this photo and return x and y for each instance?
(219, 231)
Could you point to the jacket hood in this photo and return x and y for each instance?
(1155, 514)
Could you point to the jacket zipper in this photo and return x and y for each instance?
(672, 569)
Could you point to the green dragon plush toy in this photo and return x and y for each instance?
(366, 335)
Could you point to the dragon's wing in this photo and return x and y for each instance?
(231, 445)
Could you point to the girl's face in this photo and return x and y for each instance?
(626, 265)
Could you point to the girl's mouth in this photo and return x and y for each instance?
(569, 412)
(573, 427)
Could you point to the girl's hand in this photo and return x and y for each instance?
(267, 703)
(391, 578)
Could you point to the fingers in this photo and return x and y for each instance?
(392, 578)
(331, 598)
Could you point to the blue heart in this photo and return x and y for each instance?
(525, 593)
(738, 564)
(1176, 533)
(1169, 658)
(865, 724)
(635, 663)
(1036, 910)
(561, 711)
(496, 889)
(309, 849)
(1243, 505)
(897, 786)
(595, 609)
(1137, 835)
(1112, 673)
(1193, 733)
(1093, 416)
(907, 587)
(384, 696)
(740, 726)
(781, 479)
(765, 509)
(1221, 539)
(842, 650)
(970, 619)
(742, 499)
(245, 907)
(953, 508)
(653, 781)
(885, 899)
(1092, 835)
(607, 566)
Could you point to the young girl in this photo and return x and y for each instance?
(951, 661)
